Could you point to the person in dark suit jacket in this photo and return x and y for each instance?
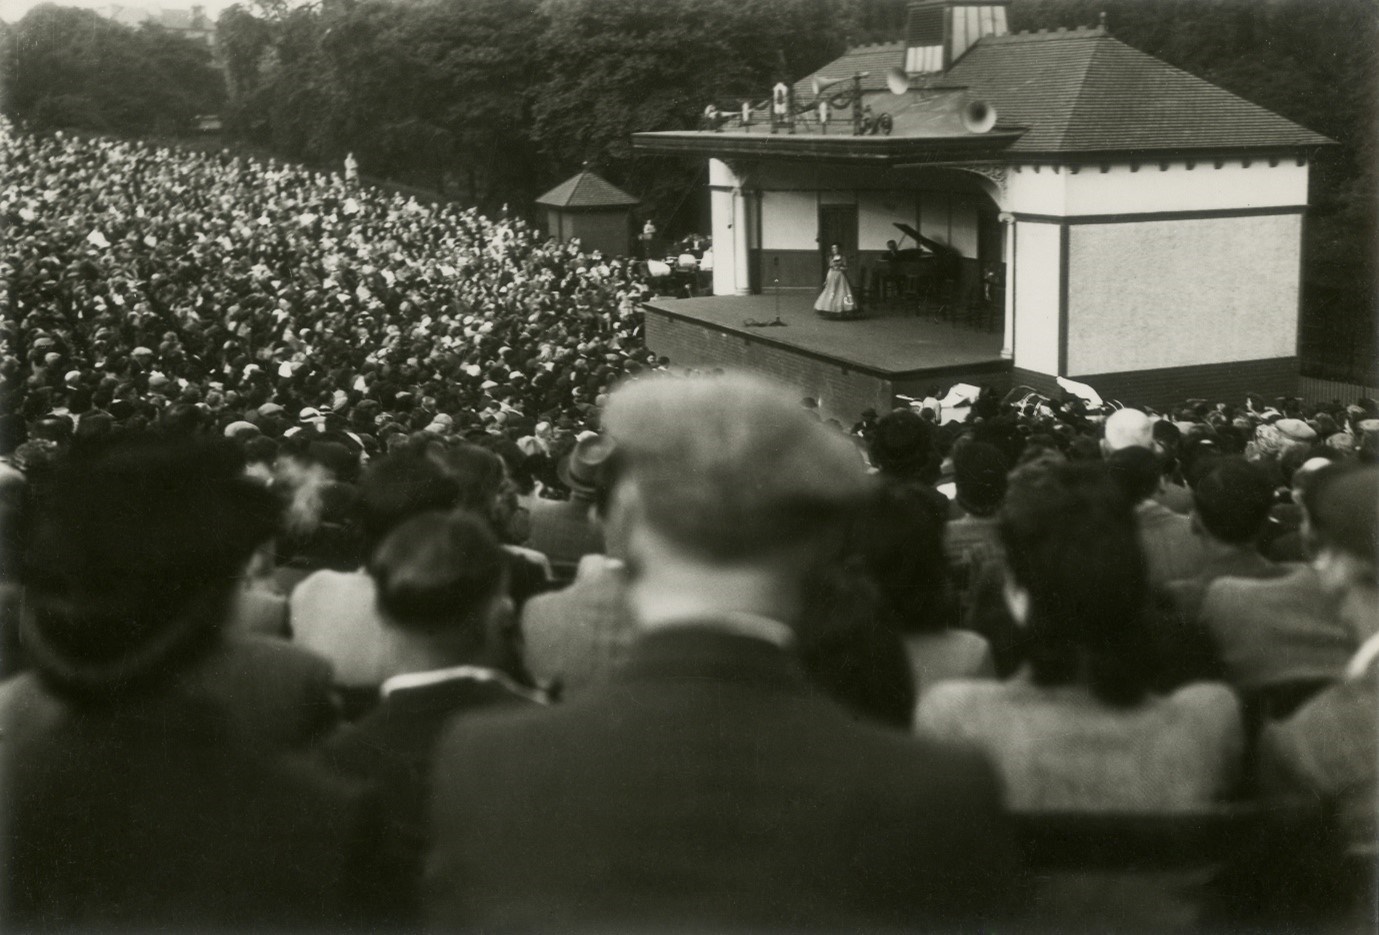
(273, 695)
(709, 786)
(133, 800)
(441, 586)
(156, 816)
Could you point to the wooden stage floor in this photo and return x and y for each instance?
(885, 342)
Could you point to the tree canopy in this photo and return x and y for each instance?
(492, 100)
(72, 68)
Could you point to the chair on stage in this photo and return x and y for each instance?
(911, 292)
(939, 302)
(980, 314)
(874, 284)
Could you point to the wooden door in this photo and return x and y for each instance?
(838, 225)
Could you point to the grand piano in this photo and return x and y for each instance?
(937, 267)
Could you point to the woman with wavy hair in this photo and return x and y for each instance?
(1079, 727)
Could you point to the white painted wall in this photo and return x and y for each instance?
(1036, 192)
(720, 173)
(837, 196)
(963, 234)
(1178, 293)
(877, 215)
(1036, 297)
(934, 210)
(1120, 190)
(949, 219)
(1202, 188)
(789, 221)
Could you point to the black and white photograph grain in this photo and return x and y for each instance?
(682, 467)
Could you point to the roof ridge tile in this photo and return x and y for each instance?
(1077, 103)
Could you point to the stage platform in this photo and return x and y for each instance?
(847, 366)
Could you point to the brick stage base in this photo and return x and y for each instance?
(847, 366)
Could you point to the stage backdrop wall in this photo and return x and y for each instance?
(1181, 293)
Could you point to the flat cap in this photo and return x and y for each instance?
(241, 429)
(730, 465)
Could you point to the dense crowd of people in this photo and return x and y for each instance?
(206, 289)
(361, 571)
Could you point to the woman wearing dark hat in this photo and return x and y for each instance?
(136, 795)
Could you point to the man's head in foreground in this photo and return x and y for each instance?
(1341, 503)
(731, 492)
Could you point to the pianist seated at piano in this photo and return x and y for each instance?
(890, 279)
(928, 269)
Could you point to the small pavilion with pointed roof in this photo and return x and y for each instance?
(589, 207)
(1137, 227)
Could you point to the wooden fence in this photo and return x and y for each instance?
(1318, 391)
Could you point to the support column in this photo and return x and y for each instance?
(742, 284)
(1008, 336)
(722, 184)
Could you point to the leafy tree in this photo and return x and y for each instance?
(611, 68)
(480, 57)
(437, 86)
(506, 96)
(420, 92)
(245, 43)
(74, 68)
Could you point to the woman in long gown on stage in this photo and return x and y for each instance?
(837, 299)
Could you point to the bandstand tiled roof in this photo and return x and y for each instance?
(1083, 91)
(588, 191)
(871, 60)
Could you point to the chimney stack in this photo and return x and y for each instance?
(938, 32)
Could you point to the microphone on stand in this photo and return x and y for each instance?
(775, 263)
